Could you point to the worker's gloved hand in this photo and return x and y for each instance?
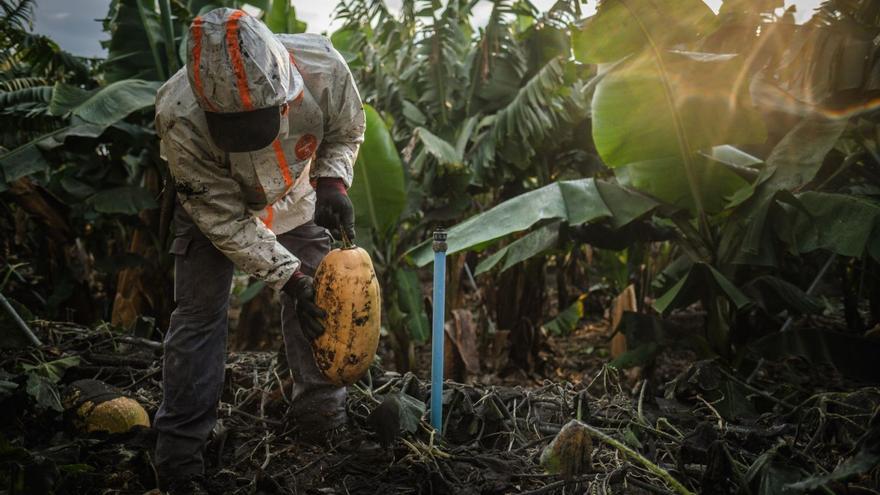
(333, 208)
(301, 288)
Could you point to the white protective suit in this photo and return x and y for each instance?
(241, 200)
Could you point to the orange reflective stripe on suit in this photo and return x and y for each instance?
(197, 59)
(235, 56)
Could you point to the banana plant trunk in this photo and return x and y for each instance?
(519, 308)
(144, 289)
(718, 319)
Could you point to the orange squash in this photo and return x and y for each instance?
(96, 406)
(347, 289)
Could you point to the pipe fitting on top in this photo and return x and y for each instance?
(440, 240)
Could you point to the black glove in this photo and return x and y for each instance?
(333, 208)
(301, 288)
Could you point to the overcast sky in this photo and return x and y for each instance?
(76, 26)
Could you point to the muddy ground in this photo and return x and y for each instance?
(788, 426)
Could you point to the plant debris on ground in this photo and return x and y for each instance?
(788, 428)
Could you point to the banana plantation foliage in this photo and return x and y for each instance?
(663, 252)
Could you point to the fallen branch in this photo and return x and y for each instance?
(25, 329)
(140, 341)
(639, 458)
(557, 484)
(118, 361)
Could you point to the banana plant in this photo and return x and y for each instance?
(29, 65)
(659, 108)
(671, 120)
(86, 113)
(97, 169)
(140, 44)
(480, 109)
(379, 196)
(663, 119)
(477, 113)
(71, 184)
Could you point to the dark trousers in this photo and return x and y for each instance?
(195, 348)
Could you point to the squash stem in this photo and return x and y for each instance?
(346, 242)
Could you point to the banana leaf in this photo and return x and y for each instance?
(137, 41)
(623, 27)
(532, 244)
(128, 200)
(567, 320)
(574, 202)
(653, 115)
(104, 106)
(691, 287)
(794, 161)
(281, 18)
(440, 149)
(841, 223)
(377, 191)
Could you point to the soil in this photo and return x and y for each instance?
(793, 421)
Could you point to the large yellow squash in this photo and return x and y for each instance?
(347, 289)
(96, 406)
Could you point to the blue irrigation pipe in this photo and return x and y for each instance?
(437, 330)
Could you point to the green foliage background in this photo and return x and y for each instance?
(704, 157)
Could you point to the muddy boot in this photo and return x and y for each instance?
(316, 430)
(194, 485)
(317, 414)
(328, 437)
